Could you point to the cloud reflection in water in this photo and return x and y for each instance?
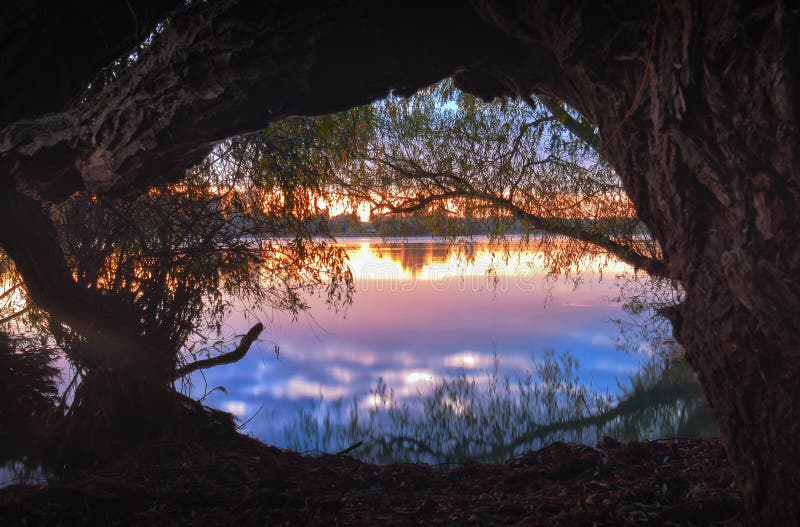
(422, 311)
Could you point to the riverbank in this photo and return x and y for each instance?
(244, 482)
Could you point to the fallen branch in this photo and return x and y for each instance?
(226, 358)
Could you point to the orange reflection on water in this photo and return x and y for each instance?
(432, 260)
(424, 312)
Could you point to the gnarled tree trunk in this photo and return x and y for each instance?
(699, 110)
(107, 324)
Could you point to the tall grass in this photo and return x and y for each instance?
(490, 418)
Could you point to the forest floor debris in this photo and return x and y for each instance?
(244, 482)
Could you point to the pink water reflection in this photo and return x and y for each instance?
(420, 312)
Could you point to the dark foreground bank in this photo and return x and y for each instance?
(244, 482)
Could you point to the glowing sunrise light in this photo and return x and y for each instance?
(12, 297)
(337, 207)
(481, 263)
(415, 377)
(368, 264)
(466, 359)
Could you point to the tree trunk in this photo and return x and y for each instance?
(107, 324)
(720, 181)
(749, 372)
(699, 111)
(224, 68)
(126, 392)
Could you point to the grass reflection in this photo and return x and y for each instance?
(489, 418)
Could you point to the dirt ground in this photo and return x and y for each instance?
(244, 482)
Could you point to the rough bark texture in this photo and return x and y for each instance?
(709, 154)
(697, 105)
(228, 67)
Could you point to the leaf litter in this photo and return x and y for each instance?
(244, 482)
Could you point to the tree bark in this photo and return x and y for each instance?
(699, 111)
(698, 107)
(224, 68)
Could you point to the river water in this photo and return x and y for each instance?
(453, 353)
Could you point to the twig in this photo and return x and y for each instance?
(10, 290)
(349, 449)
(241, 426)
(18, 314)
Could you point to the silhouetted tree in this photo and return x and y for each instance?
(696, 105)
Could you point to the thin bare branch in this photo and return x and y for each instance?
(226, 358)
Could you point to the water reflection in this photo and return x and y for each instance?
(491, 419)
(429, 320)
(405, 263)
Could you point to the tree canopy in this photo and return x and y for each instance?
(182, 256)
(459, 162)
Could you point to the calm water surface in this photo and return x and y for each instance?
(452, 354)
(447, 354)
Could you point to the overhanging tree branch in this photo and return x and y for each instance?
(580, 129)
(226, 358)
(571, 228)
(14, 315)
(187, 89)
(10, 290)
